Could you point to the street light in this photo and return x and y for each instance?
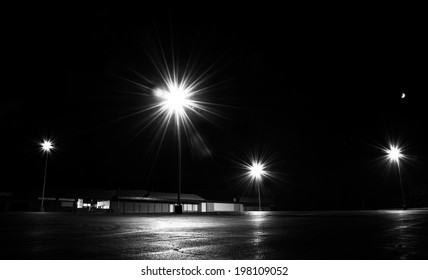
(256, 171)
(176, 98)
(46, 147)
(257, 167)
(394, 154)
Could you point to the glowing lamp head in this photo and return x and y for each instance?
(394, 153)
(256, 170)
(47, 145)
(175, 98)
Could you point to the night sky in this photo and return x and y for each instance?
(316, 88)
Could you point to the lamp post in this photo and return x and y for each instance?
(175, 99)
(394, 155)
(256, 171)
(46, 146)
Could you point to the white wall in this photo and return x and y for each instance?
(224, 206)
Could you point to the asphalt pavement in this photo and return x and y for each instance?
(323, 235)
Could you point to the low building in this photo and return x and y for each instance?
(120, 201)
(131, 201)
(252, 204)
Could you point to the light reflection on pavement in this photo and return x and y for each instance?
(389, 234)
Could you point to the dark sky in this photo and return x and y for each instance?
(316, 87)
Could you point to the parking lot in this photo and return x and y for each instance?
(329, 235)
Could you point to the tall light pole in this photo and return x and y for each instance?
(394, 155)
(256, 171)
(175, 99)
(46, 146)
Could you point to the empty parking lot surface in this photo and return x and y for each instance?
(330, 235)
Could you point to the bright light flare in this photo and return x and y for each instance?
(394, 153)
(46, 145)
(175, 99)
(257, 170)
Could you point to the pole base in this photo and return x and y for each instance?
(178, 209)
(42, 209)
(404, 207)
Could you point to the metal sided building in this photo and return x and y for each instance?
(134, 201)
(119, 201)
(159, 202)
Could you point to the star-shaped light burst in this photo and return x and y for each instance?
(177, 92)
(175, 99)
(257, 170)
(46, 146)
(394, 153)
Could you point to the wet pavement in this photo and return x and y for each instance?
(326, 235)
